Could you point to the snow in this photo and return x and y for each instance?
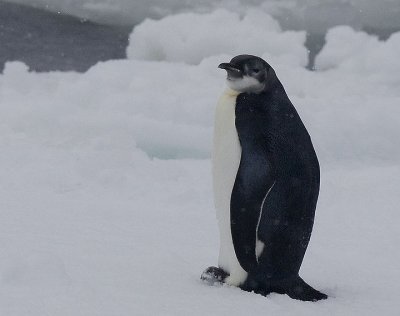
(256, 32)
(105, 185)
(357, 51)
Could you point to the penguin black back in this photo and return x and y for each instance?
(277, 154)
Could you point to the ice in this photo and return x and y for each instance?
(182, 38)
(360, 52)
(105, 184)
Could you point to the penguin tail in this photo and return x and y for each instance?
(298, 289)
(295, 287)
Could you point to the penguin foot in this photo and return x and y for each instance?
(214, 276)
(300, 290)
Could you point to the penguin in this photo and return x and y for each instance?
(266, 180)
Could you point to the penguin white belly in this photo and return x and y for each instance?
(226, 160)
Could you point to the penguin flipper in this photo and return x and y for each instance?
(244, 234)
(246, 207)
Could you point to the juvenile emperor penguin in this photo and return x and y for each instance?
(266, 184)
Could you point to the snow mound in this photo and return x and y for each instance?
(165, 110)
(182, 38)
(359, 52)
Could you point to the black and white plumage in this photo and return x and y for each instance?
(266, 184)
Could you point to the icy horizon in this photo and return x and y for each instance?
(312, 15)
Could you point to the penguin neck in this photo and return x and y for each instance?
(231, 93)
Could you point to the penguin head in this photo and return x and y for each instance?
(247, 73)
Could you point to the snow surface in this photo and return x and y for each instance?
(105, 185)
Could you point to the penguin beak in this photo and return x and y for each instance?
(228, 66)
(233, 71)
